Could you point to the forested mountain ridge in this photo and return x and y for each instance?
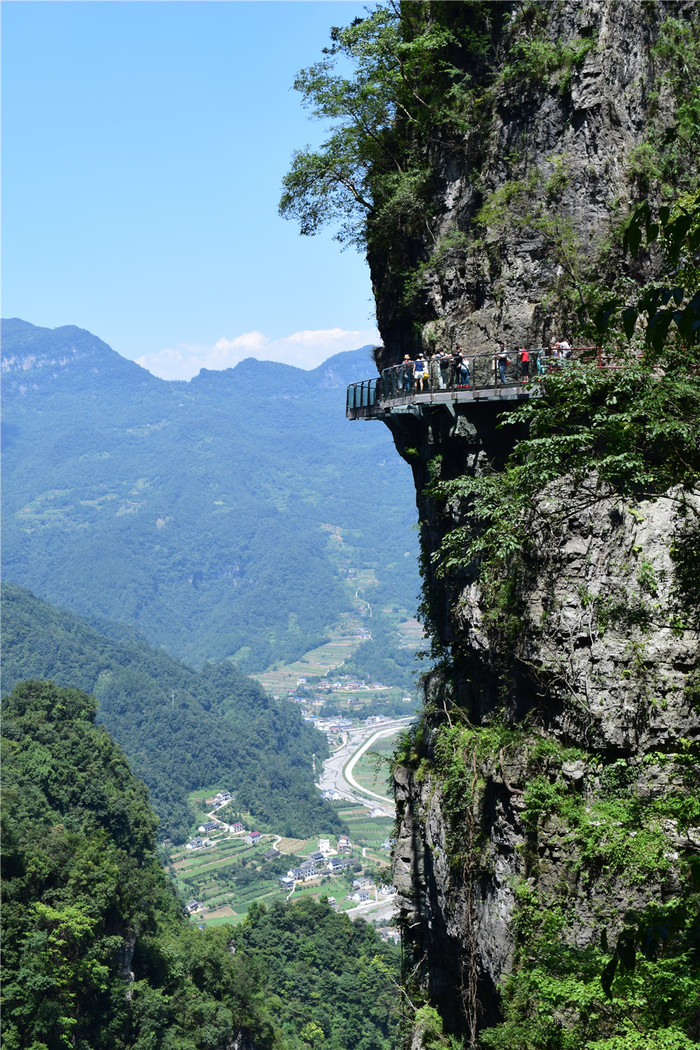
(31, 359)
(181, 729)
(528, 172)
(97, 953)
(203, 513)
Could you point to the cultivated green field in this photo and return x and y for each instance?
(371, 771)
(228, 875)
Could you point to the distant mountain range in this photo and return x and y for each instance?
(235, 515)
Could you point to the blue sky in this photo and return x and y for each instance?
(143, 147)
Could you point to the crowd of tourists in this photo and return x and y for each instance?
(449, 370)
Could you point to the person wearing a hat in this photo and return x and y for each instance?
(407, 373)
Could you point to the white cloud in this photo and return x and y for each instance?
(322, 336)
(305, 349)
(249, 340)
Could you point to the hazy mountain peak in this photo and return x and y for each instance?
(33, 356)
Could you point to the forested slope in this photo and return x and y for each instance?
(181, 729)
(221, 517)
(97, 953)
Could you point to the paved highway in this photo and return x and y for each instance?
(337, 770)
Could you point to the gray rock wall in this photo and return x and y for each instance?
(558, 145)
(537, 783)
(598, 673)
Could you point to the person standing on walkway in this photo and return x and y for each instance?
(501, 358)
(460, 366)
(524, 364)
(420, 372)
(407, 374)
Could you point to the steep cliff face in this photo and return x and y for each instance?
(552, 772)
(548, 801)
(524, 206)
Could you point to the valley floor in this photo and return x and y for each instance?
(220, 873)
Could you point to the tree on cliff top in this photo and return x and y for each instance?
(411, 85)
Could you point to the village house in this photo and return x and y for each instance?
(363, 883)
(196, 843)
(302, 874)
(211, 825)
(253, 837)
(236, 828)
(359, 896)
(220, 799)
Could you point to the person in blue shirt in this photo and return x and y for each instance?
(420, 372)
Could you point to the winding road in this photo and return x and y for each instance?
(337, 770)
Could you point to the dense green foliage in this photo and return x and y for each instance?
(182, 729)
(554, 998)
(97, 953)
(202, 513)
(398, 90)
(329, 977)
(381, 659)
(407, 84)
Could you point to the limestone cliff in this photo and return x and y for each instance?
(573, 105)
(554, 745)
(548, 800)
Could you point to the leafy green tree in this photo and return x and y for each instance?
(334, 979)
(409, 89)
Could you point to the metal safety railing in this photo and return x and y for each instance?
(470, 372)
(364, 394)
(478, 371)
